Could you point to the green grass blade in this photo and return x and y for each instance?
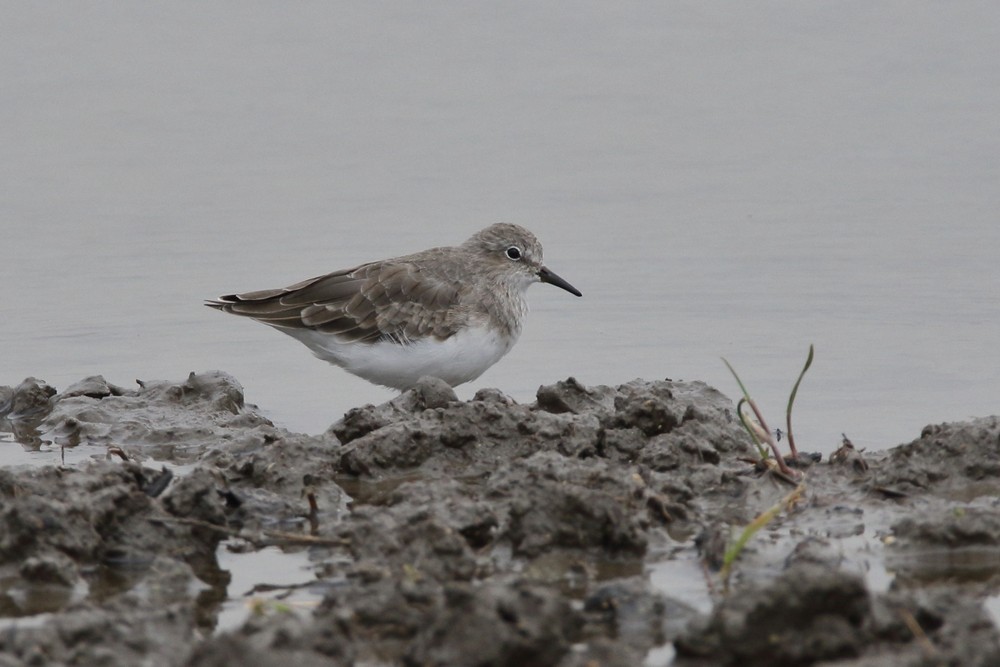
(791, 400)
(795, 389)
(764, 518)
(732, 370)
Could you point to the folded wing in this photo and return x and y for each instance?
(382, 301)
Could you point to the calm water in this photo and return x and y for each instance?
(737, 179)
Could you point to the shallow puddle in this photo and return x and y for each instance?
(992, 607)
(15, 454)
(969, 564)
(268, 581)
(19, 598)
(683, 579)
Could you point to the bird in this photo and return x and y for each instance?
(447, 312)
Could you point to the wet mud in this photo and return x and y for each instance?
(587, 528)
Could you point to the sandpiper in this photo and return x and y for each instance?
(448, 312)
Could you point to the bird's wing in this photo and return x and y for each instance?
(395, 301)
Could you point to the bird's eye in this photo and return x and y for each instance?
(513, 253)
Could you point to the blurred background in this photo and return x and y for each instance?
(724, 179)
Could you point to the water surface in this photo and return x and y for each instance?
(737, 179)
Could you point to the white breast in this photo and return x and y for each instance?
(461, 358)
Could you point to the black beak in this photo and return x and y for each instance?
(547, 276)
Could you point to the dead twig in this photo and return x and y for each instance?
(114, 450)
(277, 538)
(313, 515)
(918, 633)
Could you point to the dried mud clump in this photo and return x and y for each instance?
(585, 528)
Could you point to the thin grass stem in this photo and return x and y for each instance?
(791, 400)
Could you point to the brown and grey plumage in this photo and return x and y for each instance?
(450, 312)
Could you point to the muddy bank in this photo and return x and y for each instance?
(584, 529)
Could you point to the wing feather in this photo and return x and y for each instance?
(395, 301)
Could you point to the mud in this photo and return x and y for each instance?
(587, 528)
